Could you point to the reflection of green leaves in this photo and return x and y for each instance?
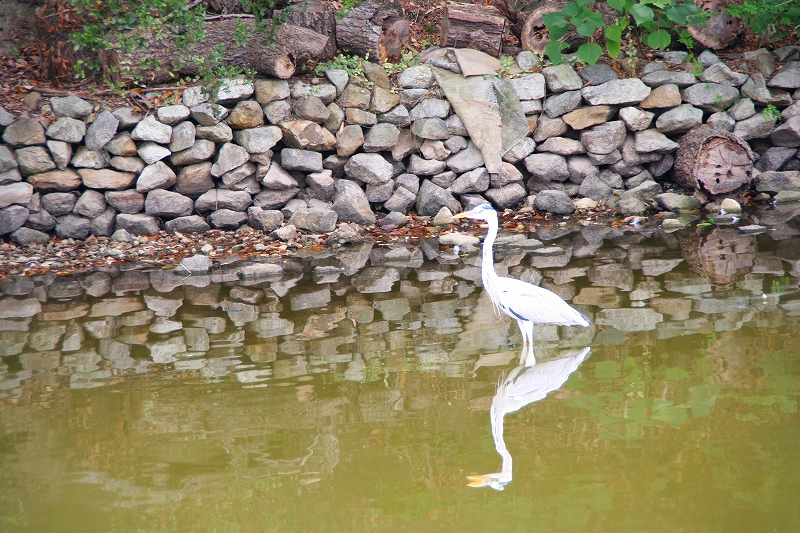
(675, 374)
(606, 370)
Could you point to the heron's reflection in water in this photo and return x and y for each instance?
(525, 384)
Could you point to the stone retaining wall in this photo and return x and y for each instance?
(314, 153)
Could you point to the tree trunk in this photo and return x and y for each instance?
(719, 31)
(714, 162)
(473, 26)
(292, 44)
(370, 30)
(317, 16)
(534, 35)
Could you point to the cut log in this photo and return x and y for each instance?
(721, 30)
(473, 26)
(516, 19)
(371, 31)
(292, 44)
(318, 16)
(534, 35)
(714, 162)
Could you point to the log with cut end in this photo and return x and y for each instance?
(721, 30)
(371, 31)
(534, 36)
(292, 45)
(473, 26)
(714, 162)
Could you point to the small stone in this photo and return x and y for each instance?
(196, 264)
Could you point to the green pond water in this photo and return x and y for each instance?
(356, 393)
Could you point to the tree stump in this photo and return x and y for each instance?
(371, 29)
(473, 26)
(534, 36)
(714, 162)
(719, 31)
(318, 16)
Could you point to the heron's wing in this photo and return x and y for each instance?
(525, 301)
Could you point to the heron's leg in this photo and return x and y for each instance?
(526, 328)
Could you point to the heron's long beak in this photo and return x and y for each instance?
(478, 481)
(461, 215)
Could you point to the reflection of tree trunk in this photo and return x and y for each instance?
(724, 255)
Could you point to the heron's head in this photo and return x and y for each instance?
(496, 481)
(480, 212)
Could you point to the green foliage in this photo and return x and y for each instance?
(654, 20)
(770, 18)
(353, 65)
(407, 59)
(771, 112)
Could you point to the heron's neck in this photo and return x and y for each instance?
(497, 416)
(488, 274)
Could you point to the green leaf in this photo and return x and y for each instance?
(553, 19)
(570, 11)
(642, 14)
(614, 32)
(658, 39)
(553, 51)
(588, 23)
(619, 5)
(590, 52)
(613, 48)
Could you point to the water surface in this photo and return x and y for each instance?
(354, 393)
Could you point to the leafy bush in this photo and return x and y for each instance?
(769, 18)
(652, 19)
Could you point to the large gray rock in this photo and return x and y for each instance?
(194, 180)
(381, 137)
(188, 224)
(23, 236)
(276, 178)
(677, 202)
(476, 180)
(710, 97)
(322, 184)
(270, 90)
(138, 224)
(149, 151)
(530, 87)
(208, 114)
(562, 146)
(557, 202)
(41, 221)
(161, 203)
(636, 119)
(302, 160)
(788, 77)
(67, 129)
(548, 167)
(223, 199)
(721, 73)
(616, 92)
(679, 120)
(24, 131)
(604, 138)
(227, 219)
(307, 135)
(549, 127)
(401, 200)
(101, 131)
(369, 168)
(15, 193)
(229, 157)
(258, 140)
(787, 134)
(183, 136)
(12, 218)
(561, 78)
(351, 204)
(73, 227)
(507, 196)
(315, 220)
(519, 151)
(91, 204)
(219, 133)
(560, 104)
(653, 141)
(264, 219)
(773, 158)
(156, 176)
(34, 160)
(756, 127)
(201, 150)
(430, 128)
(70, 106)
(274, 199)
(419, 77)
(196, 264)
(58, 203)
(128, 202)
(468, 159)
(432, 198)
(151, 129)
(104, 224)
(7, 159)
(774, 182)
(665, 77)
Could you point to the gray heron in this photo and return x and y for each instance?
(524, 302)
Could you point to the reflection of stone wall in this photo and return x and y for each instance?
(314, 153)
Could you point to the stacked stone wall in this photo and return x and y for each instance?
(313, 153)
